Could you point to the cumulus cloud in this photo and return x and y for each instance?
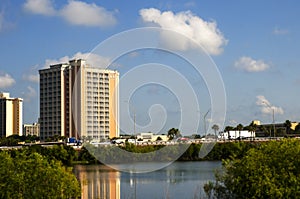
(32, 77)
(49, 62)
(266, 107)
(92, 59)
(250, 65)
(74, 12)
(42, 7)
(193, 27)
(81, 13)
(29, 94)
(6, 80)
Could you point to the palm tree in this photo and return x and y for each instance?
(228, 129)
(215, 128)
(297, 129)
(287, 125)
(252, 129)
(239, 127)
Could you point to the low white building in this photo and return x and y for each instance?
(150, 137)
(237, 134)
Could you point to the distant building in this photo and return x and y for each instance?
(79, 101)
(293, 125)
(256, 122)
(150, 137)
(267, 130)
(236, 134)
(11, 115)
(31, 129)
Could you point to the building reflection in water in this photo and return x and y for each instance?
(98, 182)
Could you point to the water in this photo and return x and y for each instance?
(178, 180)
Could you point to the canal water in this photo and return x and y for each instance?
(178, 180)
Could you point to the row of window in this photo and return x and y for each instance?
(89, 132)
(89, 117)
(94, 111)
(97, 107)
(96, 74)
(95, 90)
(97, 78)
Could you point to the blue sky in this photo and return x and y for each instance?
(254, 44)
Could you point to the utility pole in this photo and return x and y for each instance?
(204, 120)
(134, 120)
(273, 116)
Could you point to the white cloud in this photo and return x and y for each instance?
(32, 77)
(74, 12)
(93, 60)
(279, 31)
(49, 62)
(250, 65)
(81, 13)
(6, 80)
(233, 122)
(29, 94)
(193, 27)
(42, 7)
(266, 107)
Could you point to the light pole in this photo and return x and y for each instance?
(134, 119)
(273, 116)
(204, 120)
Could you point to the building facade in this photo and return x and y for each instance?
(31, 129)
(11, 115)
(77, 100)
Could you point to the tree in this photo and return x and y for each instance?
(173, 133)
(239, 127)
(159, 138)
(288, 125)
(34, 176)
(228, 128)
(215, 127)
(252, 128)
(268, 171)
(297, 128)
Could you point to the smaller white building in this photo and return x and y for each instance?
(237, 135)
(150, 137)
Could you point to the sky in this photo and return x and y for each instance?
(253, 45)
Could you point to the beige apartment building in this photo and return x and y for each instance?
(77, 100)
(11, 115)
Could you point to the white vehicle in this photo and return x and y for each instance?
(119, 141)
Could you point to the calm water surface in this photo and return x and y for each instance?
(178, 180)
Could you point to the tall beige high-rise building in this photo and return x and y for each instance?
(77, 100)
(11, 115)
